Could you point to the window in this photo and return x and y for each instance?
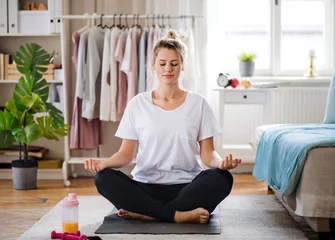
(282, 33)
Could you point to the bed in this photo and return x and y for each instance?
(313, 195)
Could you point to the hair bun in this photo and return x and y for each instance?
(171, 34)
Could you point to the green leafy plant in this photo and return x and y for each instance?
(28, 116)
(247, 57)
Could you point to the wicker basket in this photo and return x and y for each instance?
(13, 74)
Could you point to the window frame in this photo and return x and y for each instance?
(275, 41)
(275, 68)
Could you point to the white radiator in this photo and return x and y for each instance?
(289, 105)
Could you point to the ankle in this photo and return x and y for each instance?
(178, 216)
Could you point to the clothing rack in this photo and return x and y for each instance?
(136, 17)
(66, 47)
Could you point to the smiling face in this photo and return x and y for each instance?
(167, 65)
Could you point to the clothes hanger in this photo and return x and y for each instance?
(134, 16)
(163, 18)
(119, 25)
(158, 17)
(126, 26)
(81, 30)
(138, 22)
(169, 21)
(147, 21)
(113, 22)
(153, 20)
(100, 24)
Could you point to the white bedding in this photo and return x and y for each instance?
(256, 136)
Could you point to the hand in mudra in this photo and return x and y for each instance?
(95, 165)
(229, 163)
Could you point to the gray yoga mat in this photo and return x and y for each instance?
(113, 224)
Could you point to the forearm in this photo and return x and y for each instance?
(211, 159)
(118, 160)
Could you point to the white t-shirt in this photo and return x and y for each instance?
(168, 140)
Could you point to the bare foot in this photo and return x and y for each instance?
(199, 215)
(126, 214)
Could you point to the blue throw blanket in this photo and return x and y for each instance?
(282, 152)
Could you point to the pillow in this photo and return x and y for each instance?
(330, 106)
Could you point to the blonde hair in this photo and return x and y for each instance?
(173, 42)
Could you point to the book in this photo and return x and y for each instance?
(268, 84)
(2, 65)
(33, 151)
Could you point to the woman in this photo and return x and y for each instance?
(171, 127)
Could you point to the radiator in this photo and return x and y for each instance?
(291, 105)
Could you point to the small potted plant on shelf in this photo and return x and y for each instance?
(247, 64)
(28, 116)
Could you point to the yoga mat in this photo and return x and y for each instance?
(113, 224)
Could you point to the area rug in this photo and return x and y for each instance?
(241, 217)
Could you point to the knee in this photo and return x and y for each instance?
(225, 178)
(103, 177)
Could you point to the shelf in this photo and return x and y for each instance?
(46, 174)
(80, 160)
(16, 81)
(30, 35)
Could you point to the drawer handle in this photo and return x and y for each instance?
(245, 96)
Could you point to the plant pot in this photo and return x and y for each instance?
(24, 174)
(247, 69)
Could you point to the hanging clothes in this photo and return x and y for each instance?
(122, 78)
(105, 102)
(150, 46)
(142, 52)
(190, 76)
(114, 116)
(91, 98)
(84, 134)
(133, 68)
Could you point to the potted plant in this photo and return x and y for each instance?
(247, 64)
(28, 116)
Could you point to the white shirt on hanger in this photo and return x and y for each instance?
(81, 67)
(105, 107)
(168, 140)
(125, 66)
(190, 76)
(113, 74)
(91, 100)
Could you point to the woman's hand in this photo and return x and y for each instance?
(229, 163)
(95, 165)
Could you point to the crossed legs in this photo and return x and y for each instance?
(191, 202)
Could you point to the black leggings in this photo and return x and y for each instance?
(160, 201)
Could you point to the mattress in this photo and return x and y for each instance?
(315, 193)
(256, 136)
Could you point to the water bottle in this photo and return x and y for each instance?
(70, 213)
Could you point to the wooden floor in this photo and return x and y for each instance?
(19, 210)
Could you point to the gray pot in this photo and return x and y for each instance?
(24, 174)
(247, 69)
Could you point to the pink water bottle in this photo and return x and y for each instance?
(70, 213)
